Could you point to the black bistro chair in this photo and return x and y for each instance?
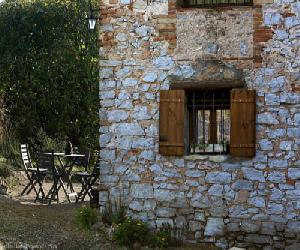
(35, 175)
(88, 179)
(46, 159)
(82, 162)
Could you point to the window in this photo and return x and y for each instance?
(207, 122)
(216, 3)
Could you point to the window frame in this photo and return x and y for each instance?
(207, 103)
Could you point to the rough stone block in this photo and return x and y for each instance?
(274, 208)
(293, 194)
(286, 145)
(257, 202)
(272, 99)
(214, 227)
(268, 228)
(116, 115)
(271, 18)
(195, 226)
(253, 174)
(218, 177)
(164, 195)
(294, 173)
(150, 77)
(121, 37)
(250, 227)
(129, 129)
(265, 144)
(242, 185)
(200, 216)
(216, 190)
(194, 173)
(142, 31)
(164, 63)
(241, 196)
(143, 143)
(258, 239)
(277, 177)
(276, 195)
(108, 154)
(276, 163)
(141, 113)
(293, 227)
(267, 118)
(141, 191)
(130, 82)
(165, 212)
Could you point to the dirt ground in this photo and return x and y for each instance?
(25, 224)
(42, 226)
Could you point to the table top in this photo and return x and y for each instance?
(73, 155)
(63, 154)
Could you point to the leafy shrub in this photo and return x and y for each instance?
(5, 171)
(43, 142)
(86, 217)
(130, 232)
(5, 175)
(159, 239)
(114, 212)
(10, 150)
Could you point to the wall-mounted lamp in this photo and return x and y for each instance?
(93, 17)
(92, 22)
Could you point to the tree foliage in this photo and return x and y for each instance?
(49, 69)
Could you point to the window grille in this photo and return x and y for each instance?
(209, 122)
(216, 3)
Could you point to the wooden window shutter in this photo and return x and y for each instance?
(171, 122)
(243, 117)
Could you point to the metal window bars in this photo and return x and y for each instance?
(216, 3)
(209, 119)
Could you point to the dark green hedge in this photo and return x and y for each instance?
(49, 69)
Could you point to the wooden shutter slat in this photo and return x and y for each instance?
(171, 122)
(243, 118)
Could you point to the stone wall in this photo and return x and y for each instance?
(222, 200)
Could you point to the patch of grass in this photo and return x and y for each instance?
(86, 217)
(130, 232)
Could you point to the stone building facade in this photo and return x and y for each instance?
(145, 48)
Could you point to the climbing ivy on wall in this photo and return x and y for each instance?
(49, 69)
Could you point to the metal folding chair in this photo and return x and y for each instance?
(88, 180)
(46, 160)
(80, 162)
(83, 161)
(35, 175)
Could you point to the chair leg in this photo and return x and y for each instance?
(33, 185)
(30, 186)
(69, 184)
(52, 192)
(40, 190)
(25, 189)
(88, 186)
(64, 188)
(83, 184)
